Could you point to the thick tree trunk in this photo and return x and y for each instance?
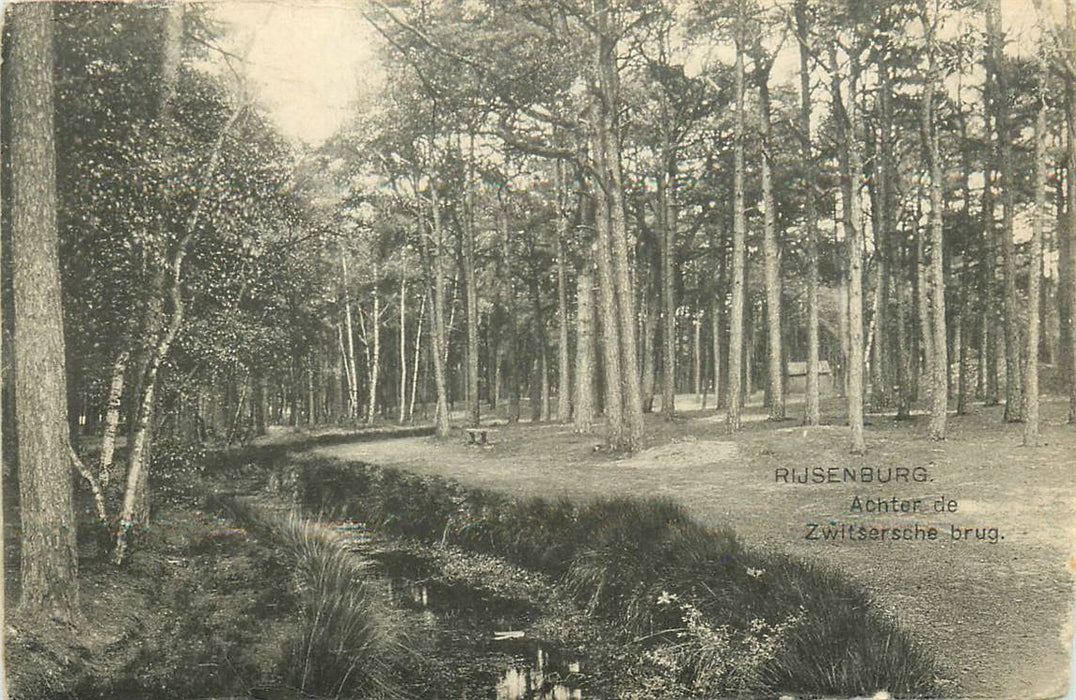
(49, 563)
(739, 246)
(583, 403)
(626, 436)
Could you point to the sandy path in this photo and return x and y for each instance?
(994, 613)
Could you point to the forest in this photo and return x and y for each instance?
(615, 216)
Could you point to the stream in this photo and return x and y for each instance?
(489, 637)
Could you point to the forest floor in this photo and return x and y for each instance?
(996, 614)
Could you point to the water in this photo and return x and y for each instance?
(489, 625)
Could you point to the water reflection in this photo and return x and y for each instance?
(494, 624)
(548, 677)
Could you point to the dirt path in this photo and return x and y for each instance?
(995, 613)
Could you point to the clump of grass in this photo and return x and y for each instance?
(348, 642)
(721, 618)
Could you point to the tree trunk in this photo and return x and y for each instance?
(473, 406)
(771, 256)
(715, 352)
(739, 243)
(584, 351)
(612, 193)
(923, 296)
(564, 403)
(649, 311)
(609, 316)
(511, 340)
(940, 380)
(1069, 358)
(1003, 131)
(49, 563)
(696, 357)
(350, 364)
(437, 293)
(851, 211)
(415, 364)
(668, 295)
(112, 416)
(1031, 376)
(812, 411)
(401, 415)
(375, 351)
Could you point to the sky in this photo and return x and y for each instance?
(309, 61)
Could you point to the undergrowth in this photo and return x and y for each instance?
(702, 614)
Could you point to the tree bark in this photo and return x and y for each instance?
(812, 411)
(564, 403)
(739, 243)
(1003, 132)
(852, 213)
(939, 382)
(415, 364)
(1069, 234)
(668, 293)
(49, 563)
(474, 409)
(437, 292)
(112, 416)
(350, 364)
(1031, 371)
(401, 415)
(771, 254)
(583, 414)
(375, 350)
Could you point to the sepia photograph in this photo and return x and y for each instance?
(537, 349)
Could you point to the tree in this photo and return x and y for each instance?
(812, 413)
(49, 565)
(940, 363)
(733, 417)
(847, 130)
(1031, 369)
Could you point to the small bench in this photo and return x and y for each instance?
(474, 433)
